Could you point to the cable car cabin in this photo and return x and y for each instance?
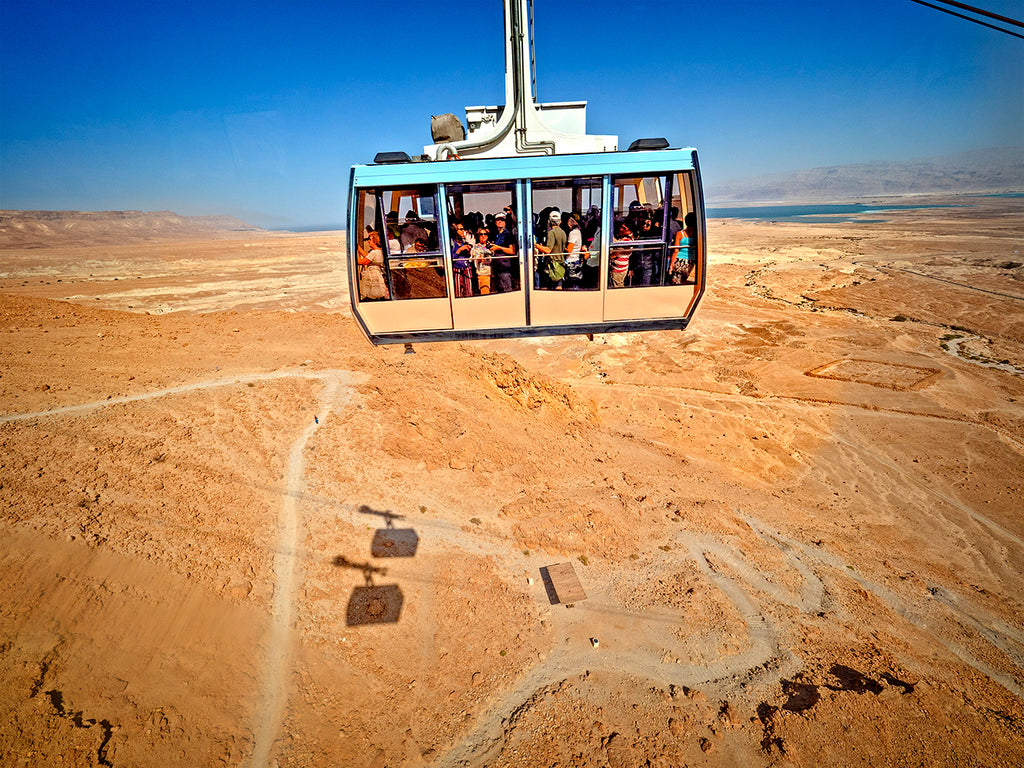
(431, 258)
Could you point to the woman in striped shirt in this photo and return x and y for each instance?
(619, 257)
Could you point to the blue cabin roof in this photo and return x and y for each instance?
(527, 167)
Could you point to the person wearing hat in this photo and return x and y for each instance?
(553, 267)
(505, 244)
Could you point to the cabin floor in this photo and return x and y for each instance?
(234, 533)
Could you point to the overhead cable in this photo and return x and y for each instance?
(983, 12)
(971, 18)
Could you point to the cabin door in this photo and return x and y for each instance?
(482, 252)
(563, 251)
(652, 268)
(402, 285)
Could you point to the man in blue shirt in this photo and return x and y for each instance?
(505, 243)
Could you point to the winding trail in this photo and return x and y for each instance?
(196, 386)
(750, 593)
(274, 696)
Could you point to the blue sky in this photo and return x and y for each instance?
(258, 109)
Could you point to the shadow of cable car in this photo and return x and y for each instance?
(390, 541)
(380, 604)
(394, 542)
(371, 603)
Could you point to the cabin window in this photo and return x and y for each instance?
(683, 240)
(641, 233)
(415, 266)
(371, 265)
(483, 239)
(566, 233)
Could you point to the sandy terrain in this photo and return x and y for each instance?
(234, 533)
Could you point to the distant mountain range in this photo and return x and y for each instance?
(29, 229)
(986, 170)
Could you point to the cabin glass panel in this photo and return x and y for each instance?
(578, 201)
(684, 245)
(415, 265)
(484, 247)
(642, 231)
(371, 275)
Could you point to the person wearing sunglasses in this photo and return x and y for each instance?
(461, 269)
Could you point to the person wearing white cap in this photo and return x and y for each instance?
(554, 265)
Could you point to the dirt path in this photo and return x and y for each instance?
(274, 696)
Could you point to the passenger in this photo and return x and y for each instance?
(412, 231)
(481, 257)
(675, 229)
(504, 243)
(540, 234)
(655, 215)
(619, 258)
(592, 227)
(467, 231)
(511, 222)
(663, 267)
(542, 224)
(461, 269)
(394, 232)
(690, 232)
(553, 267)
(678, 267)
(635, 217)
(372, 285)
(644, 258)
(419, 246)
(647, 231)
(574, 256)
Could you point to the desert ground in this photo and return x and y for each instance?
(235, 533)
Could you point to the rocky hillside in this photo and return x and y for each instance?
(988, 170)
(28, 229)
